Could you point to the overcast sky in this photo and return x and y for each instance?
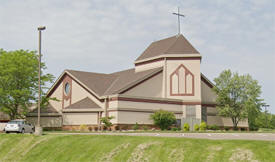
(107, 36)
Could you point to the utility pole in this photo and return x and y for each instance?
(38, 128)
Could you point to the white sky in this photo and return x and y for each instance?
(108, 35)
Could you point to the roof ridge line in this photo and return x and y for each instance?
(177, 36)
(111, 85)
(139, 80)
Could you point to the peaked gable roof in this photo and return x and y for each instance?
(100, 84)
(84, 103)
(48, 109)
(173, 45)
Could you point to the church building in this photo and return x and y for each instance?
(166, 76)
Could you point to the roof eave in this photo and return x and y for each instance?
(169, 56)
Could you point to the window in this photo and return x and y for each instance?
(67, 88)
(182, 82)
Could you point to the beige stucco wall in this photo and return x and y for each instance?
(212, 111)
(57, 94)
(79, 118)
(55, 121)
(151, 106)
(149, 66)
(207, 94)
(221, 121)
(4, 116)
(194, 67)
(198, 111)
(79, 93)
(133, 117)
(149, 88)
(115, 115)
(113, 104)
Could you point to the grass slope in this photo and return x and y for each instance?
(17, 147)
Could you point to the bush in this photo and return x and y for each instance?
(145, 127)
(227, 128)
(203, 126)
(90, 128)
(174, 129)
(213, 127)
(117, 127)
(83, 127)
(52, 129)
(135, 127)
(107, 121)
(196, 127)
(163, 119)
(186, 127)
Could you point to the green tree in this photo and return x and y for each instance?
(19, 81)
(265, 120)
(107, 121)
(163, 119)
(237, 97)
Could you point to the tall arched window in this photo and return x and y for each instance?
(182, 82)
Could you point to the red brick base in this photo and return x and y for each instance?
(113, 127)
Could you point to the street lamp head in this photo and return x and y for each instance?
(41, 28)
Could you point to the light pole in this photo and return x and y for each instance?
(38, 129)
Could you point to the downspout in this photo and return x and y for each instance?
(165, 77)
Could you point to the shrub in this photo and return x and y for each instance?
(163, 119)
(196, 127)
(174, 129)
(90, 128)
(186, 127)
(83, 127)
(117, 127)
(135, 127)
(227, 128)
(107, 121)
(203, 126)
(145, 127)
(213, 127)
(124, 127)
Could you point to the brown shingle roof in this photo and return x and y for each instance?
(84, 103)
(107, 84)
(98, 82)
(48, 109)
(128, 77)
(174, 45)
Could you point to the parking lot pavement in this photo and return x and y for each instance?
(213, 136)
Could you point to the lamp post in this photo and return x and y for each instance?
(38, 128)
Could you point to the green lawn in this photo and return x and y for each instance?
(17, 147)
